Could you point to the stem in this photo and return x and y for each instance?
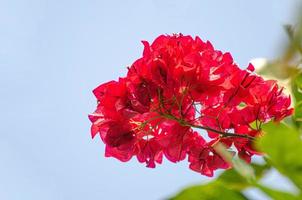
(185, 123)
(224, 134)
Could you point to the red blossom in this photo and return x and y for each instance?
(181, 83)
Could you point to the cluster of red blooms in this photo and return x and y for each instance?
(181, 84)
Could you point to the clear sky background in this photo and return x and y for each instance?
(53, 53)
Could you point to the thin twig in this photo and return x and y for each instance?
(224, 134)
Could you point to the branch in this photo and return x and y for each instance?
(185, 123)
(224, 134)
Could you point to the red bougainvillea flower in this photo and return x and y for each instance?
(181, 84)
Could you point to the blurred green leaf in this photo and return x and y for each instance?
(227, 186)
(237, 182)
(298, 81)
(283, 145)
(297, 88)
(244, 169)
(276, 194)
(233, 179)
(213, 190)
(298, 111)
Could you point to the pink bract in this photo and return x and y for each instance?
(179, 84)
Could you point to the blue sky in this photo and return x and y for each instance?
(53, 53)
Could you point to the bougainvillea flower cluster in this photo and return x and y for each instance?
(179, 87)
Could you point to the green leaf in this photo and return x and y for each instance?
(213, 190)
(283, 145)
(235, 181)
(297, 87)
(298, 80)
(298, 111)
(277, 194)
(239, 165)
(227, 186)
(297, 94)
